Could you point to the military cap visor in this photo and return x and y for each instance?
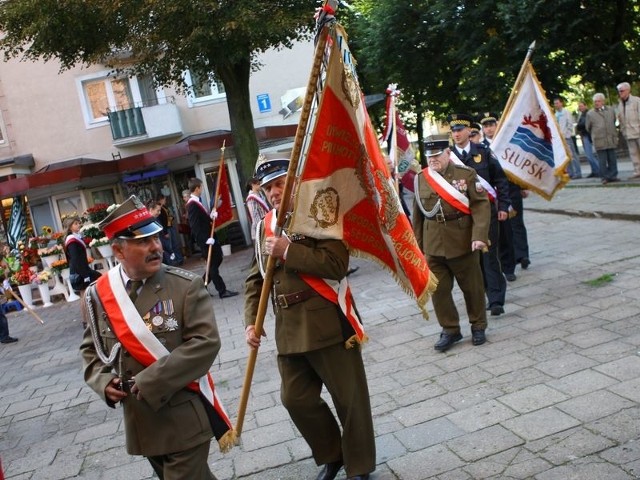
(435, 147)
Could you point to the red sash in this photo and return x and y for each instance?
(258, 200)
(337, 292)
(199, 203)
(145, 348)
(447, 192)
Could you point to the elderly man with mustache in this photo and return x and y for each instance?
(151, 340)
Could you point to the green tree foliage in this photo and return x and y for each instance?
(465, 55)
(162, 38)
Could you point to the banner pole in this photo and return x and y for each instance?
(286, 195)
(517, 84)
(216, 196)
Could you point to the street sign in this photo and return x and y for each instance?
(264, 103)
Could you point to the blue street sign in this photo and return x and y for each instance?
(264, 103)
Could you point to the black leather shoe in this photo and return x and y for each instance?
(9, 340)
(478, 337)
(497, 310)
(359, 477)
(228, 293)
(329, 470)
(446, 340)
(511, 277)
(524, 263)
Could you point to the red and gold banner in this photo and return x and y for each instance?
(345, 190)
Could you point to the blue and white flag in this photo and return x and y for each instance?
(529, 145)
(17, 229)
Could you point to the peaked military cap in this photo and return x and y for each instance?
(435, 147)
(130, 220)
(269, 170)
(475, 127)
(488, 117)
(458, 121)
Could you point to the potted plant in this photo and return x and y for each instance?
(42, 280)
(222, 236)
(103, 245)
(49, 255)
(23, 277)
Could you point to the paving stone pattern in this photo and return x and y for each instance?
(553, 394)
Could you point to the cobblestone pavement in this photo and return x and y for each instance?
(553, 394)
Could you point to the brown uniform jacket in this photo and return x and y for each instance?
(452, 238)
(169, 418)
(314, 323)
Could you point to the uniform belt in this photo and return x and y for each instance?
(286, 300)
(441, 218)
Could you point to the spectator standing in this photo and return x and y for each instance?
(629, 118)
(586, 141)
(601, 125)
(170, 241)
(565, 122)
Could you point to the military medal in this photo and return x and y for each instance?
(172, 324)
(157, 320)
(147, 321)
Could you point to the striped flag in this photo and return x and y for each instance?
(345, 190)
(529, 144)
(17, 229)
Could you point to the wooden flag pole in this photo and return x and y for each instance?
(289, 184)
(517, 84)
(216, 196)
(29, 309)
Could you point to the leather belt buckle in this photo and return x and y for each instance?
(282, 301)
(440, 218)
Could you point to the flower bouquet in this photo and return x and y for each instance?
(99, 242)
(97, 212)
(23, 276)
(59, 265)
(54, 250)
(42, 277)
(91, 231)
(58, 237)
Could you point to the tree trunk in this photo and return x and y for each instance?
(235, 78)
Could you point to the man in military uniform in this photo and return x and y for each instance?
(152, 331)
(514, 246)
(314, 338)
(493, 179)
(451, 225)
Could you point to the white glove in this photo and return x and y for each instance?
(210, 241)
(214, 214)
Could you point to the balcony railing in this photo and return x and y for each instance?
(144, 123)
(127, 123)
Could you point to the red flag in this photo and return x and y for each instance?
(345, 190)
(398, 144)
(225, 212)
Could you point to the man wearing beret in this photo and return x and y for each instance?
(151, 340)
(494, 181)
(316, 339)
(451, 225)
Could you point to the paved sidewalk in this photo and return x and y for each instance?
(553, 394)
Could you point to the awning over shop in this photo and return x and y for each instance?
(75, 172)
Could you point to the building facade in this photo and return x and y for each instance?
(73, 139)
